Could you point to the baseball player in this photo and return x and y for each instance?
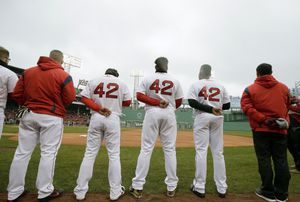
(45, 90)
(208, 98)
(105, 96)
(162, 95)
(8, 81)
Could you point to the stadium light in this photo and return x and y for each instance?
(136, 74)
(70, 62)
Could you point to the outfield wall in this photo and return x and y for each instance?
(233, 121)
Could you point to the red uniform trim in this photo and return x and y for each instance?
(147, 100)
(90, 103)
(126, 103)
(178, 102)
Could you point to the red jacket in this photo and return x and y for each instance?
(266, 98)
(45, 89)
(295, 111)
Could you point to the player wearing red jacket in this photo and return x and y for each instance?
(266, 104)
(44, 90)
(294, 134)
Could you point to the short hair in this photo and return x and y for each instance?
(264, 69)
(161, 64)
(57, 55)
(112, 71)
(3, 52)
(205, 71)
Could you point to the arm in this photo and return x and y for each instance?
(248, 108)
(178, 102)
(126, 103)
(226, 106)
(68, 91)
(147, 100)
(197, 105)
(18, 94)
(90, 103)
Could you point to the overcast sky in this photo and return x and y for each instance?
(234, 36)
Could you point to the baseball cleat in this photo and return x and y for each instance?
(121, 194)
(201, 195)
(56, 193)
(135, 193)
(23, 194)
(268, 198)
(171, 193)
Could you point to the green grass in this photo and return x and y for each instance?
(241, 167)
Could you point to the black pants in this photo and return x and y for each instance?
(272, 146)
(294, 141)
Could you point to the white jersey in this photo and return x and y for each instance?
(209, 92)
(161, 86)
(108, 91)
(8, 80)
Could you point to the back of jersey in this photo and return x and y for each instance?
(209, 92)
(108, 91)
(161, 86)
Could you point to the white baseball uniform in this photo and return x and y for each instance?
(8, 81)
(108, 91)
(208, 130)
(159, 121)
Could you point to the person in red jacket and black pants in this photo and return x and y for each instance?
(266, 104)
(294, 134)
(44, 90)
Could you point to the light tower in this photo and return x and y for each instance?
(136, 74)
(71, 61)
(297, 89)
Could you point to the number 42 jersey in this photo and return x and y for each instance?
(209, 92)
(161, 86)
(108, 91)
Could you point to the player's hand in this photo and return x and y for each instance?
(217, 111)
(104, 111)
(163, 104)
(271, 122)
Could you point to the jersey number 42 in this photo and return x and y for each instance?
(165, 89)
(212, 94)
(112, 87)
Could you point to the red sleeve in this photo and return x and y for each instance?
(147, 100)
(90, 103)
(126, 103)
(18, 94)
(178, 102)
(68, 92)
(248, 108)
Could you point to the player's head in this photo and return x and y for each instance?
(4, 55)
(161, 64)
(263, 69)
(57, 55)
(112, 71)
(205, 71)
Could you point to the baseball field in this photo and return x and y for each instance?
(240, 159)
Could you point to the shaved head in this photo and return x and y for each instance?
(205, 72)
(57, 55)
(161, 64)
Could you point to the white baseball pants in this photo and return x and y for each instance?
(208, 130)
(36, 128)
(101, 128)
(162, 122)
(2, 116)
